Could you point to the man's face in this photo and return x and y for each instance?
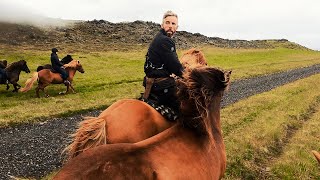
(170, 25)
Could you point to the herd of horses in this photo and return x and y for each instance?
(131, 140)
(45, 75)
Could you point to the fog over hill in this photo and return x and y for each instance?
(22, 26)
(102, 35)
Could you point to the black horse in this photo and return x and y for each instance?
(12, 72)
(64, 60)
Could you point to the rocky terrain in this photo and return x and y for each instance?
(104, 35)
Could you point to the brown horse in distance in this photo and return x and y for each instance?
(193, 148)
(127, 120)
(13, 71)
(46, 77)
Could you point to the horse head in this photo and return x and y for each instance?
(196, 92)
(24, 66)
(75, 64)
(193, 58)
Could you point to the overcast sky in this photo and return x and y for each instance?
(295, 20)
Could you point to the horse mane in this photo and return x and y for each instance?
(196, 91)
(67, 59)
(85, 137)
(73, 64)
(13, 65)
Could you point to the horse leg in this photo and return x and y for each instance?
(37, 92)
(45, 92)
(72, 88)
(16, 87)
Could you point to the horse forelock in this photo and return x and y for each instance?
(196, 92)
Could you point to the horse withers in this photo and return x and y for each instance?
(193, 148)
(127, 120)
(12, 73)
(45, 77)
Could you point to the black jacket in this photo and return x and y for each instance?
(162, 59)
(56, 64)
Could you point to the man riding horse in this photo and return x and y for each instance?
(58, 66)
(161, 62)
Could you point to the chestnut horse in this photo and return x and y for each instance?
(12, 72)
(46, 77)
(193, 148)
(127, 120)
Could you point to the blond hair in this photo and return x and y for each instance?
(169, 13)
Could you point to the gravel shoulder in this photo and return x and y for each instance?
(34, 150)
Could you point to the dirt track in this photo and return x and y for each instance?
(33, 150)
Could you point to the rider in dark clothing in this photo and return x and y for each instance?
(162, 61)
(58, 66)
(3, 74)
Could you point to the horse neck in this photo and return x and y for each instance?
(214, 123)
(13, 68)
(72, 72)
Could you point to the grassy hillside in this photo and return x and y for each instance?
(113, 75)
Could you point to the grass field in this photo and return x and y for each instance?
(114, 75)
(271, 135)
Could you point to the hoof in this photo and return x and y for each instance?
(62, 93)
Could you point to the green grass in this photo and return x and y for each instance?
(114, 75)
(271, 135)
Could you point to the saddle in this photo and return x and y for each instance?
(152, 100)
(165, 111)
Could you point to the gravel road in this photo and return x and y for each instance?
(34, 150)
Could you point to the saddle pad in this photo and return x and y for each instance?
(165, 111)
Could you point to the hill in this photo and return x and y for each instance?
(104, 35)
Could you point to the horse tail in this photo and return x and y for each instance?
(39, 68)
(29, 82)
(317, 155)
(91, 133)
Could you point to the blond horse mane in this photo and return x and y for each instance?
(91, 133)
(73, 64)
